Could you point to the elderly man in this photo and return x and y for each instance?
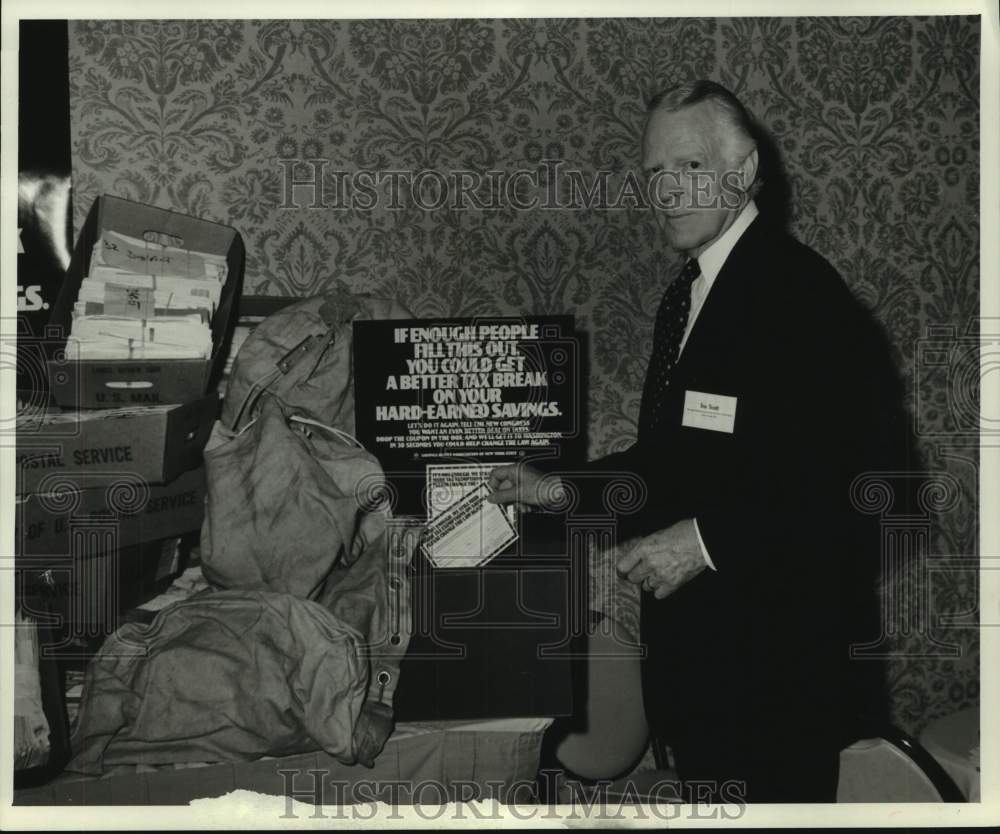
(758, 412)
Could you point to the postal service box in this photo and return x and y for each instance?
(91, 591)
(153, 444)
(129, 510)
(113, 383)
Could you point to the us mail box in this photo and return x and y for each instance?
(112, 383)
(154, 444)
(91, 590)
(132, 510)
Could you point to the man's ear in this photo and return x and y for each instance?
(748, 168)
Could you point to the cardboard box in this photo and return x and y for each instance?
(115, 383)
(130, 509)
(154, 444)
(90, 592)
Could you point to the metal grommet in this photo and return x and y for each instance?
(395, 640)
(383, 677)
(395, 583)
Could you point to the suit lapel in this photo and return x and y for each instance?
(721, 316)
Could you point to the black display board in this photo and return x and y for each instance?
(476, 390)
(44, 212)
(498, 641)
(495, 640)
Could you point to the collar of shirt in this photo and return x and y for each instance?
(711, 261)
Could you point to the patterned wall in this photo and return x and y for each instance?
(876, 120)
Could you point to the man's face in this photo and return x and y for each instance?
(697, 191)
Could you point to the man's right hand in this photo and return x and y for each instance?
(520, 484)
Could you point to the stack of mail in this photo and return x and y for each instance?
(146, 300)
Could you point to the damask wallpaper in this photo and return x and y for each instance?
(875, 121)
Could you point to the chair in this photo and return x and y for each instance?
(613, 733)
(889, 767)
(893, 768)
(954, 742)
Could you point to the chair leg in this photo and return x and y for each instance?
(661, 753)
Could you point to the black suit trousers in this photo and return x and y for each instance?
(752, 768)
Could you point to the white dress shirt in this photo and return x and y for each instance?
(710, 263)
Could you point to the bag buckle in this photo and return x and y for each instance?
(289, 359)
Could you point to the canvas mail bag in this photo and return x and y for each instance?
(297, 645)
(294, 503)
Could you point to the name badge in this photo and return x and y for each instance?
(714, 412)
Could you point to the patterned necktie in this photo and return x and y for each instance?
(671, 322)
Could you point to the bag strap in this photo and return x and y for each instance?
(347, 437)
(338, 310)
(315, 342)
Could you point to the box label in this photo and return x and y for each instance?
(127, 301)
(44, 526)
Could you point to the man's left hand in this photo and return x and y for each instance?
(663, 561)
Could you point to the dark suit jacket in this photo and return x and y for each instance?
(761, 644)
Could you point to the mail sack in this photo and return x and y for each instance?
(303, 356)
(226, 676)
(288, 498)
